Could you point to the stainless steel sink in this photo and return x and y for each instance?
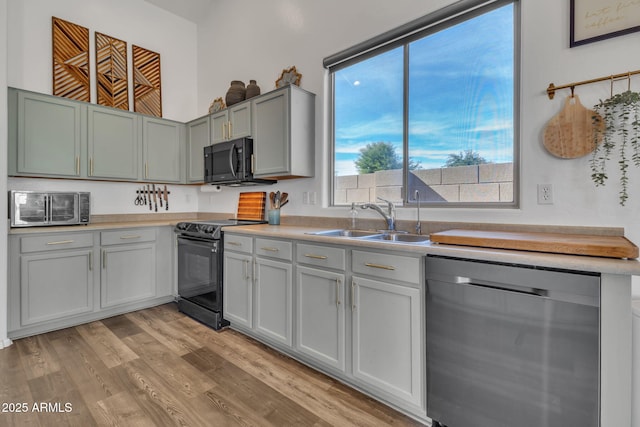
(393, 237)
(399, 238)
(346, 233)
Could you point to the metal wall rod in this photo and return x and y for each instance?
(551, 90)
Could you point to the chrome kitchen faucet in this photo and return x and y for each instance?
(389, 217)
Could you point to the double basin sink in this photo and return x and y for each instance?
(385, 236)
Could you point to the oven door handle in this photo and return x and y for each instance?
(204, 243)
(232, 151)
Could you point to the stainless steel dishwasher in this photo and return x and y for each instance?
(511, 345)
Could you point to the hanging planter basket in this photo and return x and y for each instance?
(621, 131)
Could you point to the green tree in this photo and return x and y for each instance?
(465, 158)
(380, 156)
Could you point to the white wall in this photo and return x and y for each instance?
(279, 33)
(4, 341)
(133, 21)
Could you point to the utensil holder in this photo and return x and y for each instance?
(273, 216)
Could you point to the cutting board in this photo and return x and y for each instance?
(571, 244)
(251, 205)
(570, 133)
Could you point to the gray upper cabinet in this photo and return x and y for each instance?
(284, 133)
(198, 137)
(162, 150)
(231, 123)
(46, 135)
(112, 142)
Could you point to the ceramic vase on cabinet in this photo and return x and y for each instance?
(252, 89)
(236, 93)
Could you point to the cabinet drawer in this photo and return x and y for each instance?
(54, 242)
(237, 243)
(135, 235)
(322, 256)
(395, 267)
(274, 248)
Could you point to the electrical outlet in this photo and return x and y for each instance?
(305, 197)
(545, 194)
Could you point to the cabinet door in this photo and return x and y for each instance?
(273, 300)
(197, 138)
(320, 316)
(219, 123)
(49, 135)
(387, 338)
(240, 120)
(113, 144)
(128, 274)
(237, 293)
(271, 134)
(161, 150)
(55, 285)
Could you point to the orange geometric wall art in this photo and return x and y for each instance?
(111, 72)
(147, 88)
(70, 60)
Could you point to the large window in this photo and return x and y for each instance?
(430, 114)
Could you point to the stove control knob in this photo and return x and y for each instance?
(182, 226)
(211, 229)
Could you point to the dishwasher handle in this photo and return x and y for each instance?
(460, 280)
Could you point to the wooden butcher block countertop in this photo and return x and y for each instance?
(572, 244)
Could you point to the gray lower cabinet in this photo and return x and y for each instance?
(387, 311)
(273, 300)
(355, 314)
(284, 133)
(61, 279)
(320, 316)
(162, 151)
(56, 277)
(46, 135)
(197, 138)
(128, 266)
(112, 144)
(238, 288)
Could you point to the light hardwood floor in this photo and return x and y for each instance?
(157, 367)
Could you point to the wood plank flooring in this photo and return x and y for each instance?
(157, 367)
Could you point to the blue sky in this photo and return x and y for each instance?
(461, 96)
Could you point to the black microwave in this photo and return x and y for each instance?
(231, 163)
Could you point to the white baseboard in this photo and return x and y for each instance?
(5, 343)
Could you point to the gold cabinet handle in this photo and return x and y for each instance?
(146, 170)
(246, 270)
(130, 236)
(224, 131)
(60, 242)
(91, 261)
(268, 249)
(232, 243)
(380, 266)
(230, 132)
(77, 165)
(253, 163)
(90, 166)
(104, 258)
(338, 281)
(353, 295)
(315, 256)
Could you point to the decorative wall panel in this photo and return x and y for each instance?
(70, 60)
(111, 72)
(147, 93)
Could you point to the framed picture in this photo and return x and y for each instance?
(594, 20)
(70, 60)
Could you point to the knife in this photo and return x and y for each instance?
(149, 194)
(155, 200)
(166, 198)
(144, 193)
(160, 196)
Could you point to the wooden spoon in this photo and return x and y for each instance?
(570, 133)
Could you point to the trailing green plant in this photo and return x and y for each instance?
(621, 117)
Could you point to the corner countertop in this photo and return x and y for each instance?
(626, 267)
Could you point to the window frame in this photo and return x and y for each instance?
(402, 36)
